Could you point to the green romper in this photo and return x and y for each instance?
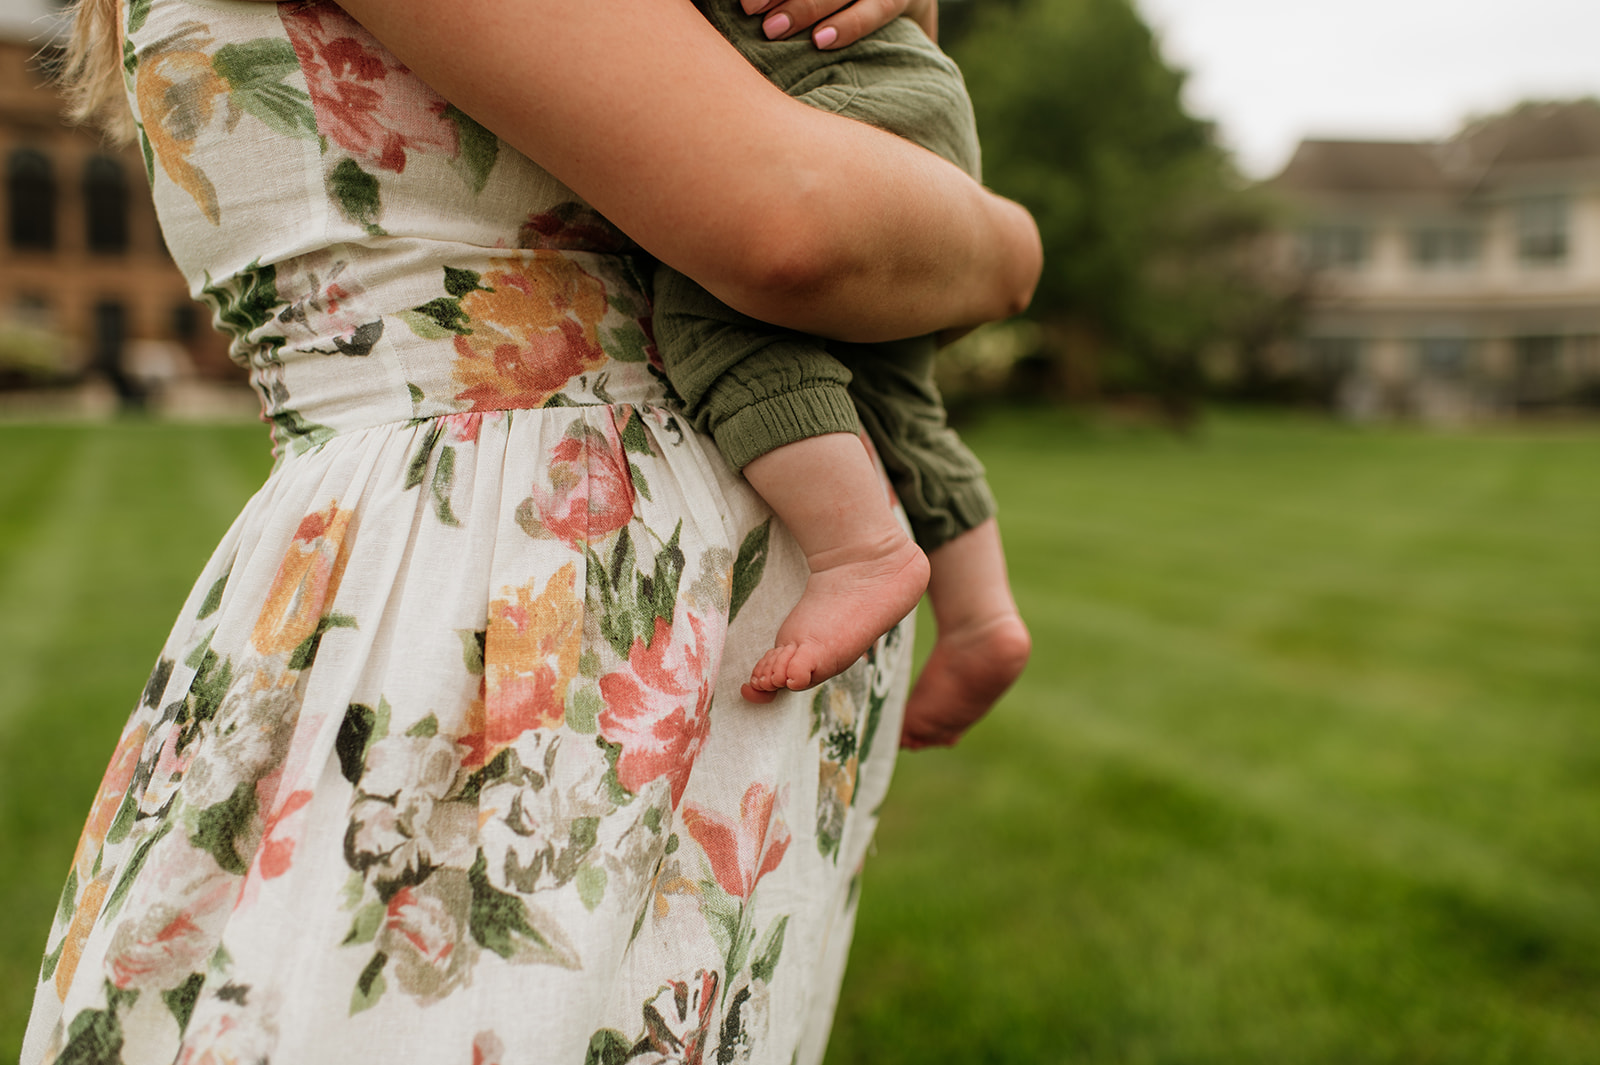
(755, 387)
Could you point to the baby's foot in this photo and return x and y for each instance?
(970, 667)
(846, 606)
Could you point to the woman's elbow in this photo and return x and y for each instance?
(783, 272)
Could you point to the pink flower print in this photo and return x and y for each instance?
(591, 485)
(367, 101)
(658, 708)
(464, 428)
(166, 943)
(741, 853)
(277, 848)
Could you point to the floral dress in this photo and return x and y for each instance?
(441, 762)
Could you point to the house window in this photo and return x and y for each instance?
(1331, 358)
(1334, 247)
(1445, 247)
(31, 197)
(1542, 229)
(1538, 368)
(1448, 358)
(105, 200)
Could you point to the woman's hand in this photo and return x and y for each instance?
(836, 23)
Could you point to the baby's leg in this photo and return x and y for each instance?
(866, 572)
(982, 644)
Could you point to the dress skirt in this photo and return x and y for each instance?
(445, 761)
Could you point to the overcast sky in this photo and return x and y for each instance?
(1273, 71)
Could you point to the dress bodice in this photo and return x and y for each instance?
(374, 253)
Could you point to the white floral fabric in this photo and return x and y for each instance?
(445, 758)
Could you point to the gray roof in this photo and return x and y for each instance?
(1530, 135)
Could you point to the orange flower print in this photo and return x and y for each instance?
(113, 789)
(306, 582)
(530, 657)
(741, 853)
(591, 486)
(177, 90)
(534, 326)
(90, 900)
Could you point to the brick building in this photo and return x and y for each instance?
(82, 261)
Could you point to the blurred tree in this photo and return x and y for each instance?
(1152, 240)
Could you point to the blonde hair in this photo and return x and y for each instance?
(91, 70)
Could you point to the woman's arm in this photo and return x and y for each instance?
(800, 218)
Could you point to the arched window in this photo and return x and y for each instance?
(105, 201)
(31, 200)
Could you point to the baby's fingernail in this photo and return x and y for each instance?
(826, 36)
(776, 26)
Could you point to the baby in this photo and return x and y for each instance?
(784, 407)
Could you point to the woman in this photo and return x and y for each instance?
(439, 762)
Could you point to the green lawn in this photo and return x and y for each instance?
(1307, 769)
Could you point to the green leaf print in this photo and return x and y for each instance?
(138, 11)
(301, 435)
(95, 1036)
(500, 922)
(444, 479)
(591, 886)
(213, 598)
(51, 960)
(69, 898)
(149, 153)
(459, 282)
(356, 193)
(304, 656)
(156, 686)
(364, 929)
(181, 999)
(130, 61)
(608, 1047)
(659, 591)
(444, 312)
(635, 439)
(130, 871)
(479, 149)
(417, 468)
(474, 643)
(427, 728)
(254, 71)
(355, 736)
(215, 828)
(749, 566)
(771, 947)
(370, 985)
(246, 302)
(584, 704)
(625, 343)
(426, 327)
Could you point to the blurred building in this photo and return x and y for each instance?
(86, 284)
(1458, 278)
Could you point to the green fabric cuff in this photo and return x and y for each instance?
(782, 418)
(965, 506)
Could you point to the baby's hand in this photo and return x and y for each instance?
(836, 23)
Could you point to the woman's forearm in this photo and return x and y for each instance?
(801, 218)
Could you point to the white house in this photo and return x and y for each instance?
(1456, 278)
